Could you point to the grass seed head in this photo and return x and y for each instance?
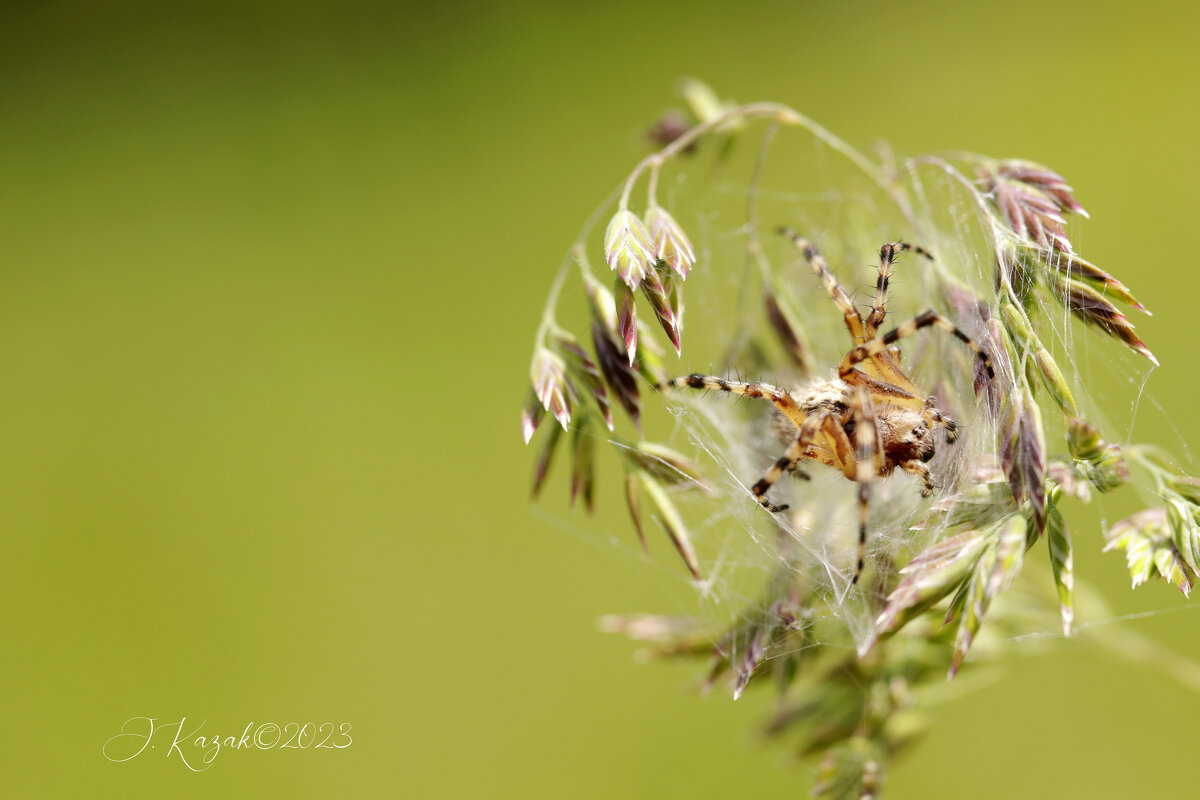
(627, 321)
(627, 248)
(1076, 268)
(601, 302)
(1091, 306)
(550, 384)
(671, 244)
(666, 465)
(1147, 540)
(1033, 215)
(1047, 180)
(531, 415)
(617, 372)
(669, 127)
(586, 371)
(661, 289)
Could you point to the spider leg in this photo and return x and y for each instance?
(879, 344)
(789, 459)
(938, 418)
(894, 388)
(843, 449)
(868, 463)
(919, 469)
(883, 365)
(782, 400)
(854, 320)
(887, 256)
(864, 509)
(795, 470)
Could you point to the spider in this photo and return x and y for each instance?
(868, 420)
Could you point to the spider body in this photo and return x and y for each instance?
(904, 434)
(870, 418)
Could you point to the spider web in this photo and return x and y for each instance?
(806, 185)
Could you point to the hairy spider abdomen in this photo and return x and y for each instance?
(829, 396)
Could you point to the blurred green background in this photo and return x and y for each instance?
(271, 272)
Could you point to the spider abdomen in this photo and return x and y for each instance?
(831, 395)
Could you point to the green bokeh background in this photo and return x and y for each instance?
(270, 277)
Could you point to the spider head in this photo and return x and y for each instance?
(921, 441)
(907, 436)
